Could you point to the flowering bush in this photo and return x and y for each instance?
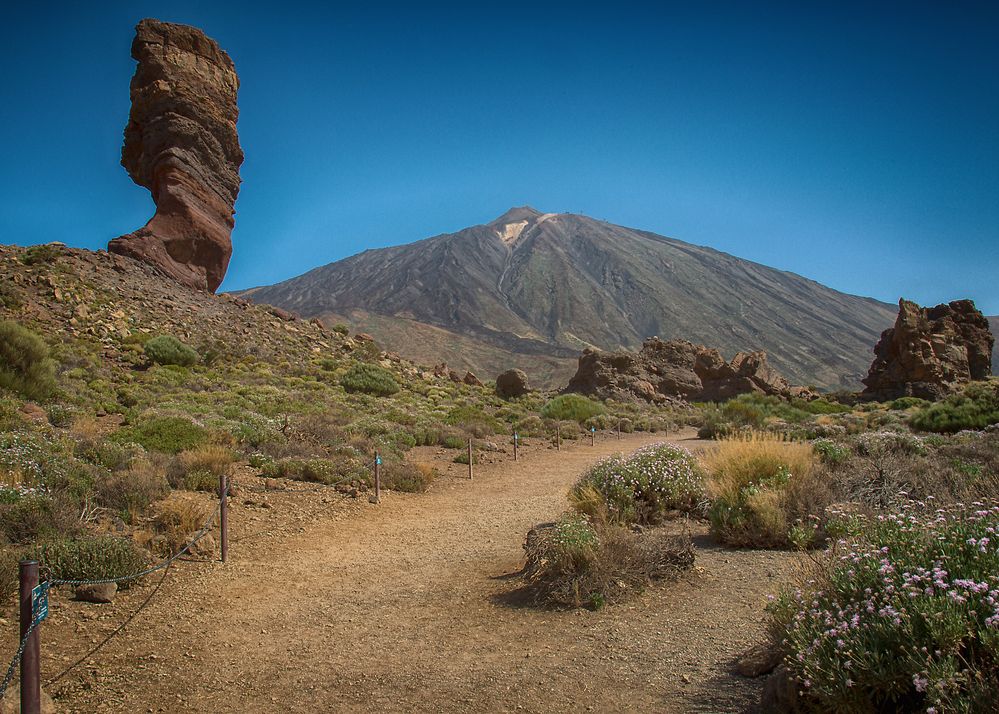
(904, 618)
(645, 486)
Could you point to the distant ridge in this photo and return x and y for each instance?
(532, 289)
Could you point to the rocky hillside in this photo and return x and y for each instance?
(532, 290)
(994, 326)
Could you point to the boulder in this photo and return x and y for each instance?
(512, 383)
(471, 380)
(103, 593)
(676, 370)
(758, 660)
(930, 352)
(181, 144)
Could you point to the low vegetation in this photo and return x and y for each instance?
(168, 350)
(25, 366)
(369, 379)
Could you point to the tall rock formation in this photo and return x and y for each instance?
(930, 352)
(677, 370)
(181, 144)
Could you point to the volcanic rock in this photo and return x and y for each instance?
(471, 380)
(676, 370)
(930, 352)
(181, 144)
(512, 383)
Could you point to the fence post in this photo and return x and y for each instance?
(593, 435)
(224, 516)
(469, 458)
(619, 429)
(516, 439)
(31, 688)
(558, 437)
(378, 477)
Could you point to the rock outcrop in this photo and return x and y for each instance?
(181, 144)
(512, 383)
(930, 352)
(677, 370)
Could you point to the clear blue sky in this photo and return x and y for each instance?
(854, 143)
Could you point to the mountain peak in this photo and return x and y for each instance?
(516, 215)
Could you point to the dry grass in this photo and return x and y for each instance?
(130, 491)
(762, 488)
(174, 521)
(199, 469)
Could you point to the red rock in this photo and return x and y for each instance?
(512, 383)
(181, 144)
(930, 352)
(471, 380)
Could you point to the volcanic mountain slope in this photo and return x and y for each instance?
(531, 290)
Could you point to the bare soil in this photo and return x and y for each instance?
(333, 604)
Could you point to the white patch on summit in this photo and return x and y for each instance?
(511, 231)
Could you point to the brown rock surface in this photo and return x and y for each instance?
(512, 383)
(676, 369)
(930, 352)
(181, 144)
(471, 380)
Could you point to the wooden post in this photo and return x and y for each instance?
(31, 687)
(224, 516)
(558, 437)
(593, 434)
(469, 458)
(378, 477)
(619, 429)
(516, 440)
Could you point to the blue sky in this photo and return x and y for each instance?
(854, 143)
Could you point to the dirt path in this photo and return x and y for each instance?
(397, 607)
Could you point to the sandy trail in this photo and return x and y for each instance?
(398, 607)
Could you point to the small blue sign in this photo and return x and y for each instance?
(516, 436)
(378, 460)
(593, 428)
(40, 601)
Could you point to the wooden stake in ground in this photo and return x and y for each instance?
(469, 458)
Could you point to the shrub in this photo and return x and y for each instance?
(129, 492)
(199, 469)
(28, 515)
(474, 421)
(903, 403)
(92, 558)
(575, 562)
(169, 435)
(903, 617)
(44, 253)
(647, 485)
(831, 452)
(761, 486)
(976, 407)
(340, 328)
(571, 407)
(369, 379)
(411, 478)
(175, 521)
(167, 349)
(326, 471)
(25, 365)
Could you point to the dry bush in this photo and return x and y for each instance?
(408, 477)
(175, 520)
(199, 469)
(130, 491)
(575, 563)
(763, 490)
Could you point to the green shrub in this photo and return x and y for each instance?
(29, 515)
(44, 253)
(25, 365)
(831, 452)
(168, 350)
(318, 470)
(169, 435)
(976, 407)
(903, 618)
(903, 403)
(571, 407)
(475, 421)
(646, 486)
(369, 379)
(92, 558)
(340, 328)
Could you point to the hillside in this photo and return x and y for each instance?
(994, 326)
(532, 290)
